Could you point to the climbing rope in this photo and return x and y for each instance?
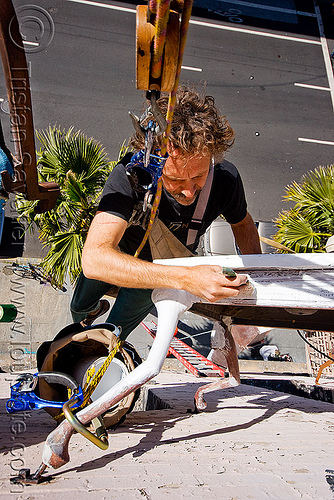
(154, 210)
(172, 97)
(94, 378)
(162, 10)
(162, 15)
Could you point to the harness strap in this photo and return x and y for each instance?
(200, 209)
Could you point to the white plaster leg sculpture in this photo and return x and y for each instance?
(170, 305)
(228, 350)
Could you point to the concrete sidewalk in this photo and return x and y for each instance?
(250, 443)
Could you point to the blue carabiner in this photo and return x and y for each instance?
(23, 397)
(154, 168)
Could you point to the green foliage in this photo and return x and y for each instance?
(80, 166)
(308, 225)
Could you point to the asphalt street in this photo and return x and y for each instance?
(266, 62)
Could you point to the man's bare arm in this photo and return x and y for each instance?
(247, 236)
(101, 260)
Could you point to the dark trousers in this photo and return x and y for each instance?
(132, 305)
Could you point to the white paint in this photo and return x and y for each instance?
(191, 68)
(313, 87)
(258, 261)
(316, 141)
(296, 281)
(233, 382)
(34, 44)
(104, 5)
(290, 290)
(255, 32)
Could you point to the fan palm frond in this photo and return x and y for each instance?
(80, 166)
(64, 257)
(315, 191)
(298, 233)
(306, 227)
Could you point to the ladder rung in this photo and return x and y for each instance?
(193, 360)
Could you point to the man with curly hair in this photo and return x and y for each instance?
(199, 137)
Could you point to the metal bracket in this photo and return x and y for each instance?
(25, 477)
(152, 112)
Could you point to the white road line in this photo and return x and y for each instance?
(325, 51)
(34, 44)
(105, 5)
(317, 141)
(314, 87)
(307, 14)
(206, 24)
(254, 32)
(191, 68)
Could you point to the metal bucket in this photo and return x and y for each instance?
(115, 372)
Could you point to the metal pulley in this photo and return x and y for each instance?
(157, 51)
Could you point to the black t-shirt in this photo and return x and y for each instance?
(226, 198)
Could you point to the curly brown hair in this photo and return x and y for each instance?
(198, 127)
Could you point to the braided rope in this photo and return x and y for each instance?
(154, 210)
(152, 6)
(92, 381)
(170, 110)
(172, 97)
(161, 21)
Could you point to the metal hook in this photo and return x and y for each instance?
(153, 96)
(152, 112)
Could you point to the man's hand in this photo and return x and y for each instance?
(209, 283)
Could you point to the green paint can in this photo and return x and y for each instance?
(8, 313)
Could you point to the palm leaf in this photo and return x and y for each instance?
(80, 166)
(306, 227)
(296, 232)
(315, 192)
(64, 256)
